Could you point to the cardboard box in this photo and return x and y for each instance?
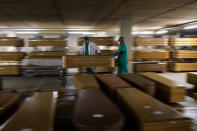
(184, 41)
(86, 81)
(87, 61)
(11, 56)
(95, 112)
(47, 42)
(146, 85)
(151, 42)
(100, 41)
(36, 113)
(151, 114)
(167, 90)
(11, 41)
(151, 54)
(10, 70)
(183, 66)
(150, 67)
(182, 54)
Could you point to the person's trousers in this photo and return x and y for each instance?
(89, 70)
(122, 68)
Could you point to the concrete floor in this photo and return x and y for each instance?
(67, 101)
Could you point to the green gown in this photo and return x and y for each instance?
(89, 70)
(122, 59)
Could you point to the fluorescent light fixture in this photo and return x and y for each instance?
(190, 27)
(142, 32)
(161, 32)
(84, 33)
(27, 32)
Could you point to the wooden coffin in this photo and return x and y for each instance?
(86, 81)
(107, 52)
(105, 69)
(10, 70)
(151, 114)
(100, 41)
(8, 104)
(11, 56)
(192, 79)
(183, 66)
(151, 42)
(110, 83)
(184, 41)
(167, 90)
(95, 112)
(151, 54)
(87, 61)
(146, 85)
(11, 41)
(46, 55)
(47, 42)
(185, 54)
(35, 114)
(149, 67)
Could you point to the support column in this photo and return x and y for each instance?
(125, 31)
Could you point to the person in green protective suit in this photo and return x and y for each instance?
(122, 57)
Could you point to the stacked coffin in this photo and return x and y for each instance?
(184, 41)
(100, 41)
(151, 42)
(149, 114)
(183, 66)
(145, 54)
(150, 67)
(185, 54)
(40, 111)
(167, 90)
(47, 53)
(10, 55)
(87, 61)
(107, 42)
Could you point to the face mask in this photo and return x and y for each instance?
(119, 42)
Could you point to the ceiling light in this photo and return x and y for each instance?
(27, 32)
(161, 32)
(190, 27)
(142, 32)
(84, 33)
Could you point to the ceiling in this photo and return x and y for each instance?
(96, 14)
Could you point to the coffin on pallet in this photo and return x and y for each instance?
(183, 66)
(47, 42)
(11, 41)
(184, 41)
(151, 42)
(150, 67)
(151, 54)
(182, 54)
(10, 70)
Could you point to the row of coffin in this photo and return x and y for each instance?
(165, 41)
(177, 54)
(96, 112)
(32, 42)
(142, 111)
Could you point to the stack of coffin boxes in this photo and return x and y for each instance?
(187, 56)
(135, 100)
(144, 58)
(10, 59)
(107, 42)
(47, 58)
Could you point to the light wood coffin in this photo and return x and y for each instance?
(151, 42)
(149, 67)
(47, 42)
(183, 66)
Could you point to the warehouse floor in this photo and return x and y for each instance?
(27, 85)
